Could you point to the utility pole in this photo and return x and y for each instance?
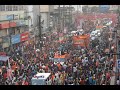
(69, 18)
(59, 25)
(39, 27)
(63, 15)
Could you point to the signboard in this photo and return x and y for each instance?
(9, 17)
(15, 39)
(118, 63)
(12, 24)
(24, 36)
(4, 25)
(16, 17)
(21, 23)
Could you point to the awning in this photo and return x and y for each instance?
(4, 58)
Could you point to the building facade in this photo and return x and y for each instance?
(44, 11)
(13, 25)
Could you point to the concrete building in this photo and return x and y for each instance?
(44, 11)
(13, 22)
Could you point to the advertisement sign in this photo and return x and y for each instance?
(9, 17)
(16, 17)
(24, 36)
(12, 24)
(15, 39)
(21, 23)
(4, 25)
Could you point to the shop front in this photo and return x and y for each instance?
(6, 43)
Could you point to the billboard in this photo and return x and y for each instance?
(15, 39)
(10, 17)
(24, 36)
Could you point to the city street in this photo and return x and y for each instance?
(80, 48)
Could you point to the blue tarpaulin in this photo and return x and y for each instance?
(4, 58)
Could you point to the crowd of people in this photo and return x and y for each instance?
(86, 66)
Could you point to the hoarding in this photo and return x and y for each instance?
(24, 36)
(10, 17)
(15, 39)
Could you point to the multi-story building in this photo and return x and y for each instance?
(45, 12)
(64, 14)
(13, 25)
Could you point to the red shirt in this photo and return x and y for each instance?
(5, 76)
(26, 83)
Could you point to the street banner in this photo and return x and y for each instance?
(24, 36)
(82, 40)
(15, 39)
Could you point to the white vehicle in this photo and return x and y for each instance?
(109, 23)
(73, 32)
(40, 79)
(81, 31)
(93, 34)
(98, 32)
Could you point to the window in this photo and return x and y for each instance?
(21, 7)
(15, 7)
(2, 7)
(8, 7)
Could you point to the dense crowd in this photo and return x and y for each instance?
(86, 66)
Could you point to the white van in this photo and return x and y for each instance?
(40, 78)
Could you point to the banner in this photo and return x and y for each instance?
(24, 36)
(82, 40)
(15, 39)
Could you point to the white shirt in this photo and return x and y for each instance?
(74, 69)
(118, 82)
